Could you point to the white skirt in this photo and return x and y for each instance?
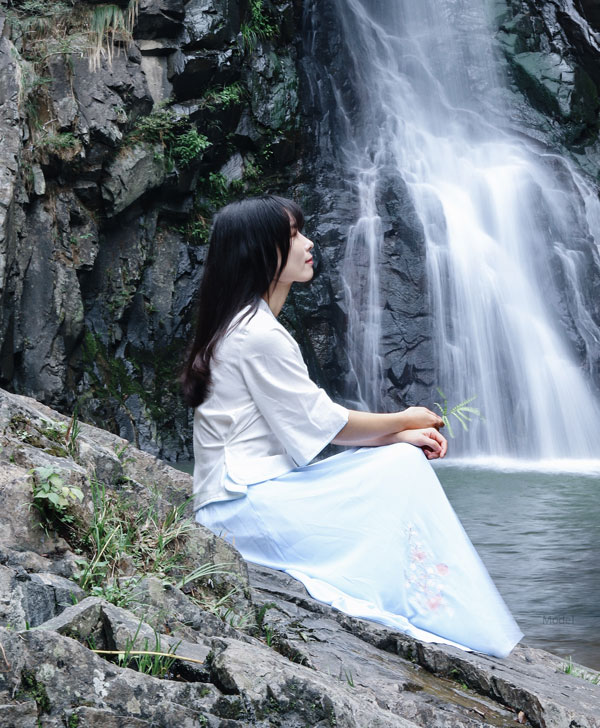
(371, 532)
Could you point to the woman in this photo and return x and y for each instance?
(370, 530)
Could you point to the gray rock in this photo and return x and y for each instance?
(273, 84)
(429, 683)
(39, 182)
(211, 23)
(159, 18)
(105, 97)
(62, 674)
(20, 715)
(133, 172)
(233, 169)
(156, 70)
(29, 600)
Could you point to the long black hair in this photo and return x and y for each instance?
(248, 249)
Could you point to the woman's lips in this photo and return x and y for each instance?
(310, 260)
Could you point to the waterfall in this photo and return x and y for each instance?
(504, 220)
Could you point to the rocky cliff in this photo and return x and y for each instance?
(116, 610)
(124, 129)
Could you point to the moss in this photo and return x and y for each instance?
(30, 687)
(49, 437)
(119, 378)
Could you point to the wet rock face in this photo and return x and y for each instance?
(552, 51)
(553, 63)
(111, 174)
(332, 205)
(106, 197)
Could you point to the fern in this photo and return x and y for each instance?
(461, 411)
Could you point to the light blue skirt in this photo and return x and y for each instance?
(371, 532)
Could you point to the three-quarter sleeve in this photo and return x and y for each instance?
(302, 416)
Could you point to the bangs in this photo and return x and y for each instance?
(293, 210)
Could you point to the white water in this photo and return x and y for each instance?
(494, 209)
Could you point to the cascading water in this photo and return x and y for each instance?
(499, 215)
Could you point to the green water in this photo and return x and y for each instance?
(538, 534)
(539, 537)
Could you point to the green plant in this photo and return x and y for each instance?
(461, 411)
(202, 572)
(58, 142)
(180, 141)
(31, 687)
(72, 434)
(269, 635)
(259, 27)
(146, 540)
(108, 22)
(570, 669)
(117, 591)
(155, 662)
(223, 97)
(121, 453)
(52, 496)
(188, 146)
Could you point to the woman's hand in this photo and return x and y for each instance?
(433, 444)
(416, 418)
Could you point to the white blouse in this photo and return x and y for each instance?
(264, 416)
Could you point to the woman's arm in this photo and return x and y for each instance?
(370, 428)
(433, 444)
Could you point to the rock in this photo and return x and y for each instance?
(211, 23)
(159, 18)
(233, 169)
(39, 183)
(29, 600)
(132, 173)
(272, 686)
(22, 426)
(156, 70)
(39, 675)
(259, 652)
(194, 72)
(105, 97)
(425, 682)
(272, 82)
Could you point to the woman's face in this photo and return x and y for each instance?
(299, 265)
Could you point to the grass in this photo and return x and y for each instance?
(117, 536)
(54, 27)
(570, 669)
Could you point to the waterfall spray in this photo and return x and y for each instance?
(502, 219)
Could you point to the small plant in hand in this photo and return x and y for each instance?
(461, 411)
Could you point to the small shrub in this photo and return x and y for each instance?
(225, 97)
(181, 142)
(52, 496)
(260, 27)
(188, 146)
(58, 142)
